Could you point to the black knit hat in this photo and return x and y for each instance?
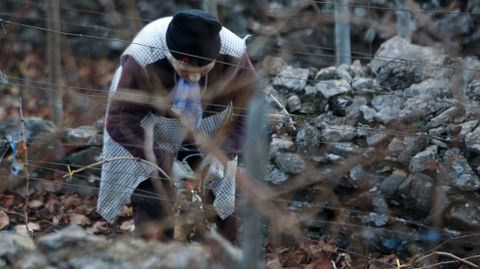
(194, 33)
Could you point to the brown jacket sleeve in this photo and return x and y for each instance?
(243, 88)
(127, 111)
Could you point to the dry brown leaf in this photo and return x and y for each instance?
(98, 227)
(56, 220)
(35, 204)
(4, 219)
(79, 219)
(22, 228)
(127, 226)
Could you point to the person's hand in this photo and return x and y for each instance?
(214, 168)
(182, 171)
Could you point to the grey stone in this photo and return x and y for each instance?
(329, 88)
(73, 235)
(13, 245)
(35, 128)
(275, 176)
(81, 134)
(460, 174)
(308, 139)
(290, 163)
(362, 179)
(368, 113)
(439, 143)
(471, 64)
(74, 248)
(293, 103)
(278, 145)
(417, 191)
(420, 107)
(376, 138)
(365, 85)
(431, 87)
(395, 64)
(388, 107)
(395, 146)
(338, 133)
(345, 149)
(467, 127)
(327, 73)
(354, 113)
(378, 220)
(334, 158)
(413, 145)
(292, 78)
(390, 184)
(453, 24)
(472, 91)
(339, 105)
(422, 161)
(423, 191)
(465, 216)
(442, 118)
(85, 156)
(343, 73)
(472, 141)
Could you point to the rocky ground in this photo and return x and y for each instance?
(374, 164)
(380, 159)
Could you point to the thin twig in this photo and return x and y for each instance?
(447, 254)
(71, 173)
(23, 145)
(283, 110)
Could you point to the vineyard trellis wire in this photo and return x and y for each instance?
(300, 118)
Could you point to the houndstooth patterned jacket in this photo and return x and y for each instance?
(145, 72)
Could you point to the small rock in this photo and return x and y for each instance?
(376, 138)
(334, 158)
(308, 139)
(81, 134)
(292, 78)
(280, 145)
(442, 118)
(390, 184)
(361, 178)
(338, 133)
(73, 235)
(275, 176)
(365, 85)
(329, 88)
(422, 161)
(467, 127)
(472, 141)
(345, 149)
(459, 171)
(420, 107)
(368, 113)
(465, 216)
(339, 105)
(293, 103)
(431, 87)
(413, 145)
(396, 146)
(290, 163)
(343, 73)
(328, 73)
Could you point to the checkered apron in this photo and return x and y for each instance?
(121, 177)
